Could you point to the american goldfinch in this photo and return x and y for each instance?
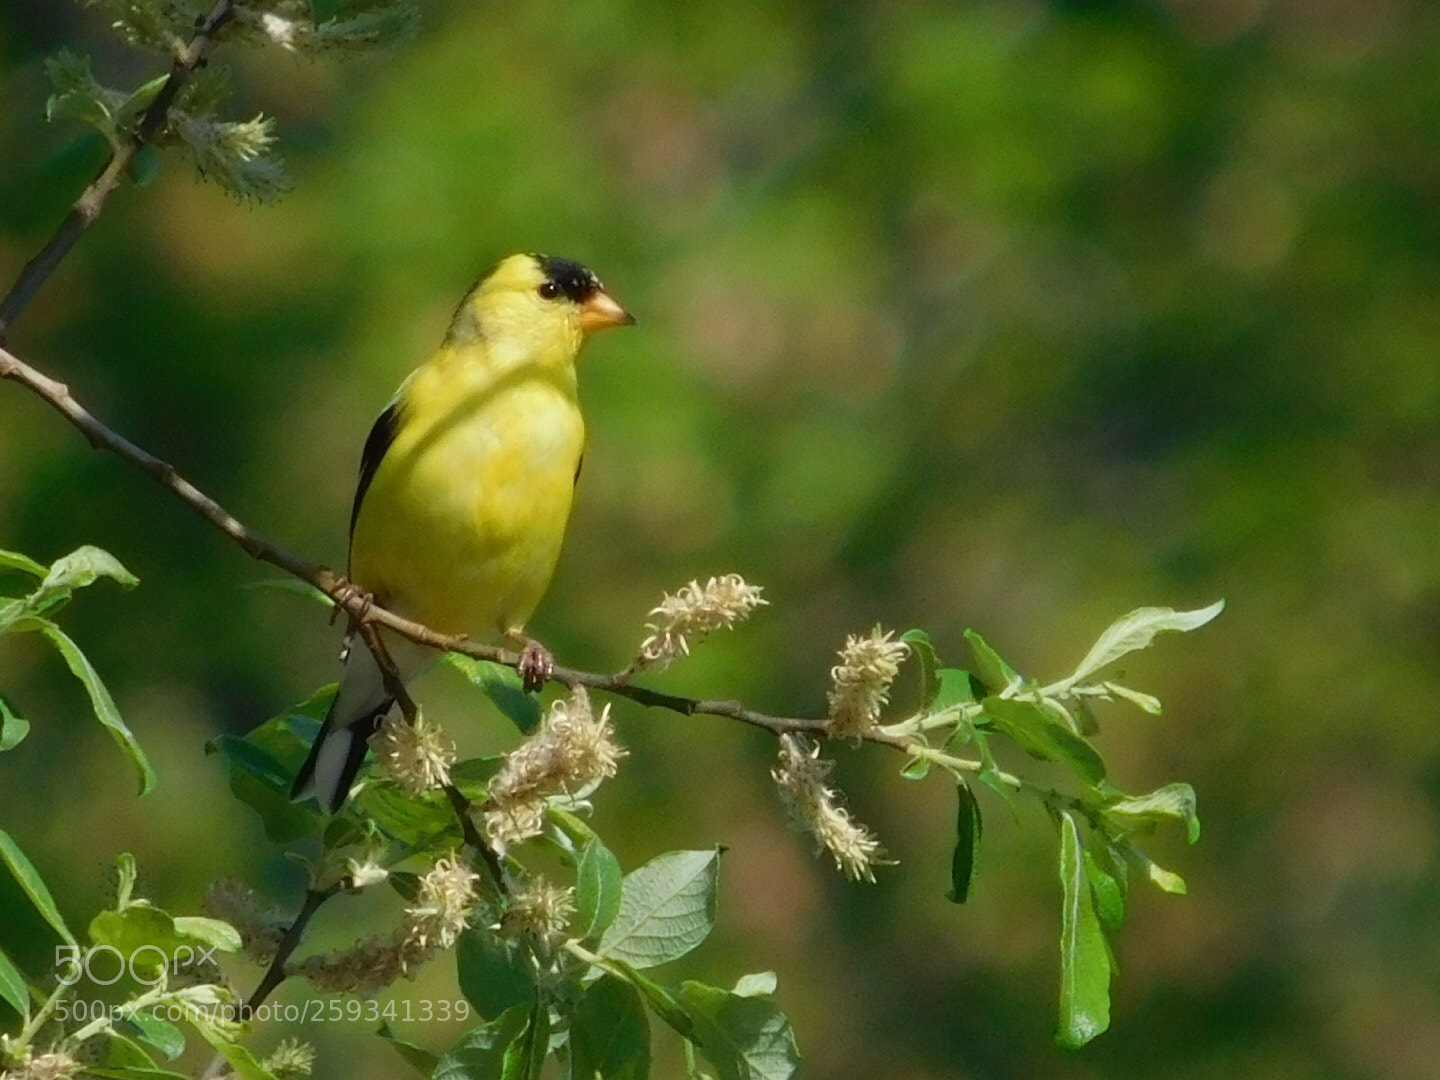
(465, 487)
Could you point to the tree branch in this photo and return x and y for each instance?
(92, 200)
(358, 606)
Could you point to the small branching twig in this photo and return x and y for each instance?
(92, 200)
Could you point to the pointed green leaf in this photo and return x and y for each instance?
(916, 769)
(1109, 894)
(1136, 631)
(102, 703)
(133, 1073)
(13, 726)
(667, 907)
(1161, 878)
(78, 570)
(922, 650)
(1143, 702)
(161, 1034)
(967, 843)
(123, 1052)
(30, 882)
(1041, 736)
(1084, 959)
(525, 1056)
(1173, 802)
(598, 884)
(480, 1053)
(954, 688)
(13, 560)
(994, 673)
(609, 1036)
(421, 1060)
(503, 686)
(12, 987)
(744, 1038)
(261, 767)
(144, 166)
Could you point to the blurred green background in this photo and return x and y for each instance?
(1012, 315)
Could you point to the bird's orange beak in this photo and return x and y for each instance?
(599, 312)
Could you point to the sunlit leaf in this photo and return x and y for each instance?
(102, 704)
(922, 650)
(1136, 631)
(994, 673)
(1040, 736)
(503, 686)
(744, 1038)
(33, 886)
(667, 907)
(13, 726)
(598, 885)
(1173, 802)
(12, 987)
(1084, 958)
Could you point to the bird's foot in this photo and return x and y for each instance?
(351, 598)
(536, 666)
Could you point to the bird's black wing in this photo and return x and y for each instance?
(381, 436)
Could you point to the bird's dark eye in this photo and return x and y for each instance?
(549, 290)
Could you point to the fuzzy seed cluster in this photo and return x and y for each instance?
(860, 683)
(694, 611)
(801, 776)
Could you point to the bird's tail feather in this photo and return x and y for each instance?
(359, 706)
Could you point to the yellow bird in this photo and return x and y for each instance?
(465, 487)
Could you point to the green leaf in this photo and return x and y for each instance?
(492, 972)
(122, 1052)
(424, 822)
(1041, 736)
(13, 560)
(502, 685)
(1136, 631)
(161, 1034)
(1173, 802)
(12, 987)
(1109, 894)
(261, 767)
(525, 1056)
(144, 165)
(756, 984)
(598, 883)
(81, 568)
(13, 726)
(423, 1061)
(967, 843)
(133, 1073)
(1084, 959)
(102, 703)
(661, 999)
(744, 1038)
(916, 769)
(1161, 878)
(32, 885)
(212, 933)
(480, 1053)
(138, 101)
(324, 10)
(956, 688)
(990, 774)
(920, 647)
(609, 1035)
(149, 938)
(994, 673)
(667, 907)
(1143, 702)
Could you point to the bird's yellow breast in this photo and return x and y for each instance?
(462, 524)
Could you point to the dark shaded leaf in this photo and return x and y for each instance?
(744, 1038)
(967, 843)
(502, 685)
(423, 1061)
(609, 1036)
(492, 972)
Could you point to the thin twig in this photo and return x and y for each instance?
(92, 200)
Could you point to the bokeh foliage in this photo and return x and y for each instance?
(1003, 314)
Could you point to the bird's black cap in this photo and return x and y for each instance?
(575, 281)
